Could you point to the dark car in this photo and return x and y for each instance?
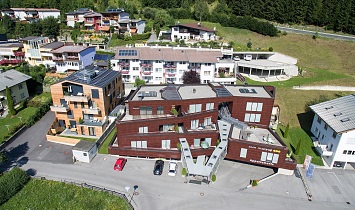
(158, 167)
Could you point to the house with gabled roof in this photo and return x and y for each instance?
(191, 31)
(333, 128)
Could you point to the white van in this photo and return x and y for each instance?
(248, 57)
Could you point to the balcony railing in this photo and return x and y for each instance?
(322, 150)
(147, 72)
(95, 111)
(168, 66)
(56, 108)
(171, 75)
(19, 54)
(78, 98)
(4, 61)
(72, 58)
(124, 64)
(57, 58)
(146, 64)
(125, 72)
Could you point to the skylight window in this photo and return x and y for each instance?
(337, 114)
(345, 120)
(329, 107)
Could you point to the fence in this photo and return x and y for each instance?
(105, 133)
(92, 187)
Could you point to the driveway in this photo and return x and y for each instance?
(32, 145)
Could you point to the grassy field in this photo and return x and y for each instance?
(41, 194)
(104, 147)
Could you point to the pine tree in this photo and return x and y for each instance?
(286, 130)
(10, 102)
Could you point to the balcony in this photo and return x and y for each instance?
(5, 62)
(147, 72)
(19, 54)
(95, 111)
(170, 66)
(55, 58)
(171, 75)
(57, 108)
(125, 72)
(72, 58)
(322, 150)
(122, 64)
(93, 122)
(77, 98)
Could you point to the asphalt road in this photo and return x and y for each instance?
(322, 34)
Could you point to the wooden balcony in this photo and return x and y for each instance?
(59, 108)
(77, 98)
(95, 111)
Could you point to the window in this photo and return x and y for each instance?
(206, 73)
(85, 154)
(145, 110)
(197, 142)
(252, 117)
(20, 86)
(194, 124)
(319, 120)
(139, 144)
(23, 95)
(193, 108)
(256, 107)
(135, 68)
(269, 157)
(82, 105)
(160, 110)
(334, 134)
(143, 129)
(209, 106)
(207, 121)
(159, 70)
(325, 126)
(168, 127)
(95, 93)
(243, 152)
(75, 104)
(316, 130)
(165, 144)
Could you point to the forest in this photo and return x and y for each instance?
(337, 15)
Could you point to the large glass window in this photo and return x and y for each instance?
(160, 110)
(209, 106)
(143, 129)
(252, 117)
(139, 144)
(243, 152)
(145, 110)
(165, 144)
(253, 106)
(194, 124)
(193, 108)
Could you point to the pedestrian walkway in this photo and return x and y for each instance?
(325, 87)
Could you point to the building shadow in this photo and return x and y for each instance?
(15, 157)
(305, 120)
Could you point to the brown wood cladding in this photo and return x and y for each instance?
(254, 151)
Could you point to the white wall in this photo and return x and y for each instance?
(47, 14)
(87, 56)
(79, 155)
(283, 58)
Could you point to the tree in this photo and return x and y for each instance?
(298, 148)
(286, 130)
(249, 44)
(10, 102)
(138, 82)
(201, 11)
(50, 27)
(3, 157)
(191, 77)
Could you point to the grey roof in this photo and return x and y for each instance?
(12, 77)
(53, 45)
(93, 76)
(338, 113)
(83, 145)
(196, 92)
(29, 38)
(170, 93)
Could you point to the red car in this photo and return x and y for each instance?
(120, 162)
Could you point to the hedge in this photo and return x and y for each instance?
(144, 36)
(42, 109)
(12, 182)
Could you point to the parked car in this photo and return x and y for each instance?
(236, 58)
(158, 167)
(172, 168)
(248, 57)
(120, 163)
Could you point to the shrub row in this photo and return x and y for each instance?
(42, 109)
(144, 36)
(12, 182)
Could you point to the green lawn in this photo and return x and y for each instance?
(104, 147)
(42, 194)
(14, 121)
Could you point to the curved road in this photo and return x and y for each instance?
(322, 34)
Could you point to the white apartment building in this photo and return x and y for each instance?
(190, 31)
(333, 128)
(73, 58)
(30, 14)
(77, 16)
(159, 65)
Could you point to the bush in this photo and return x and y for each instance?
(183, 172)
(12, 182)
(144, 36)
(271, 49)
(42, 108)
(214, 177)
(254, 183)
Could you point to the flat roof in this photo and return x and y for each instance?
(149, 89)
(84, 146)
(196, 91)
(252, 91)
(262, 64)
(257, 135)
(338, 113)
(70, 48)
(53, 45)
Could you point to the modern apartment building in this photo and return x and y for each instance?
(77, 16)
(32, 48)
(333, 128)
(208, 122)
(158, 65)
(73, 57)
(47, 55)
(83, 100)
(11, 54)
(93, 21)
(30, 14)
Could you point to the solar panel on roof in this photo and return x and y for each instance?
(127, 53)
(102, 57)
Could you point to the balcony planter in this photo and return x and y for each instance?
(213, 178)
(183, 172)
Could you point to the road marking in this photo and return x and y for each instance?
(336, 178)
